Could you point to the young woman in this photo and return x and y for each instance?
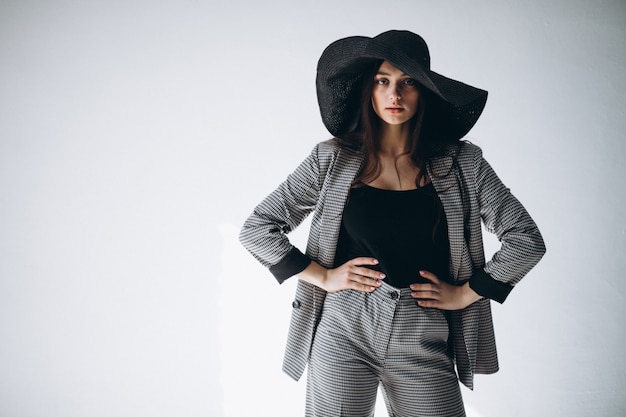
(393, 289)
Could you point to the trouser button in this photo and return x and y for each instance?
(394, 295)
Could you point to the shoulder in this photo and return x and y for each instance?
(468, 147)
(328, 147)
(331, 149)
(462, 148)
(463, 156)
(470, 155)
(334, 145)
(466, 150)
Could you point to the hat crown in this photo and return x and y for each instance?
(410, 44)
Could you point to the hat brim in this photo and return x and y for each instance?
(452, 111)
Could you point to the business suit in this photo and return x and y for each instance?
(469, 191)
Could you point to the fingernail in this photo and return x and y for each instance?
(375, 261)
(422, 272)
(382, 275)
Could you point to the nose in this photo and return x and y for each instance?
(394, 94)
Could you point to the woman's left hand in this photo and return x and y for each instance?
(439, 294)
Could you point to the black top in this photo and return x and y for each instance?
(405, 230)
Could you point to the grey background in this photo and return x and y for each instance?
(136, 136)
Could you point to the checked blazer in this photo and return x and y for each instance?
(470, 192)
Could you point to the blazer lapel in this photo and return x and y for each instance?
(442, 174)
(334, 196)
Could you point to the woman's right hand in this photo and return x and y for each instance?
(352, 275)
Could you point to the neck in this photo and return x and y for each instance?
(394, 139)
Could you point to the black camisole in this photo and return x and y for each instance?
(405, 230)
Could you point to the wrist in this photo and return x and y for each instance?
(470, 295)
(315, 274)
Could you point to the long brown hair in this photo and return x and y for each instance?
(422, 144)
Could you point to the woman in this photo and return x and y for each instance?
(393, 289)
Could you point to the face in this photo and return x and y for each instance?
(394, 95)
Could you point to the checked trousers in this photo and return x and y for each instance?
(384, 338)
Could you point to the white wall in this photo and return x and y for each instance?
(136, 136)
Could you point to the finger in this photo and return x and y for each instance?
(429, 276)
(373, 282)
(425, 287)
(362, 287)
(428, 303)
(366, 272)
(426, 295)
(363, 260)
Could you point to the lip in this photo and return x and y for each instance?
(394, 110)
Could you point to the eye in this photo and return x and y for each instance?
(409, 81)
(381, 81)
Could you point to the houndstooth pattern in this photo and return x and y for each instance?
(469, 190)
(384, 337)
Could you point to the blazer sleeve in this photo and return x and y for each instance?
(264, 233)
(522, 243)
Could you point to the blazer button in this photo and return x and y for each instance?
(295, 304)
(394, 295)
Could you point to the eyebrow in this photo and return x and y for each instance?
(387, 74)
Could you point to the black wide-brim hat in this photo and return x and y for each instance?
(451, 110)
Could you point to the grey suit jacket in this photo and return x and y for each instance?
(469, 191)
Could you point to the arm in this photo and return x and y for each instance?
(522, 243)
(264, 233)
(503, 215)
